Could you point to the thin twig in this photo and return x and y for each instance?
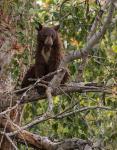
(84, 109)
(10, 140)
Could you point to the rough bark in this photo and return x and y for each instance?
(7, 51)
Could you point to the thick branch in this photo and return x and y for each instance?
(68, 88)
(43, 143)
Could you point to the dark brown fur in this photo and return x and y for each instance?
(48, 41)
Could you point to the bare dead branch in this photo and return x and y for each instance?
(43, 143)
(84, 109)
(50, 99)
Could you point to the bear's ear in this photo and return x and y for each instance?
(39, 26)
(56, 28)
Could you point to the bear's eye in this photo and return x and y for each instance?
(43, 36)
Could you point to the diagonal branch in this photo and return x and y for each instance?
(94, 39)
(84, 109)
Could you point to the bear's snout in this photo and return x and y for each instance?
(48, 41)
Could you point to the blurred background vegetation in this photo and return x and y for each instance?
(75, 18)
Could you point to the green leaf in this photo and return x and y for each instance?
(114, 48)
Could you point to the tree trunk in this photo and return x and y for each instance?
(7, 51)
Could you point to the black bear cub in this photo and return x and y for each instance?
(47, 58)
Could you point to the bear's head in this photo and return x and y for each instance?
(47, 36)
